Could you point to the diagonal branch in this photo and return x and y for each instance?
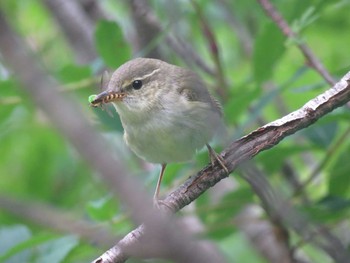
(242, 150)
(310, 57)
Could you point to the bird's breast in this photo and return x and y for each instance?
(167, 136)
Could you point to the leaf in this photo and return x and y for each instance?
(268, 49)
(321, 134)
(73, 73)
(218, 218)
(55, 251)
(307, 18)
(10, 237)
(276, 157)
(236, 107)
(22, 248)
(328, 209)
(110, 44)
(102, 209)
(334, 203)
(111, 122)
(339, 183)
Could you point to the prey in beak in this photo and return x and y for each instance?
(105, 97)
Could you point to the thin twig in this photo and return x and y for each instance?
(311, 59)
(243, 35)
(221, 87)
(57, 220)
(13, 100)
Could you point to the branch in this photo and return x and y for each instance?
(57, 220)
(242, 150)
(148, 28)
(261, 139)
(310, 57)
(77, 27)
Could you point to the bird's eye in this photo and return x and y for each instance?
(137, 84)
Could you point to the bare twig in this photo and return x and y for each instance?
(244, 37)
(221, 87)
(57, 220)
(282, 212)
(77, 26)
(311, 59)
(143, 15)
(11, 100)
(146, 28)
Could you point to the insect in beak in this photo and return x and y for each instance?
(105, 97)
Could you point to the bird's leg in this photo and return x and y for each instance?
(216, 157)
(156, 193)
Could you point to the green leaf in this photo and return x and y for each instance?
(339, 182)
(334, 203)
(55, 251)
(328, 209)
(236, 107)
(73, 73)
(9, 99)
(10, 238)
(102, 209)
(22, 249)
(274, 158)
(110, 44)
(268, 49)
(108, 117)
(321, 134)
(218, 217)
(307, 18)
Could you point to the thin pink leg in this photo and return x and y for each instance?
(156, 194)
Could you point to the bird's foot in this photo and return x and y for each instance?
(216, 157)
(160, 205)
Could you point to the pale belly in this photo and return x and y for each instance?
(171, 140)
(170, 133)
(166, 145)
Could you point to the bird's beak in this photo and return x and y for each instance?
(106, 97)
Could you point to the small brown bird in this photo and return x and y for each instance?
(166, 111)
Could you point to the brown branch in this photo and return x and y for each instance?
(265, 237)
(213, 46)
(57, 220)
(148, 28)
(261, 139)
(281, 211)
(243, 35)
(77, 27)
(246, 148)
(311, 59)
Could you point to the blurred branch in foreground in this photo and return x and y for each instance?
(71, 122)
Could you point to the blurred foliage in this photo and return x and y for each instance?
(264, 83)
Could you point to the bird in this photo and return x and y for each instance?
(166, 111)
